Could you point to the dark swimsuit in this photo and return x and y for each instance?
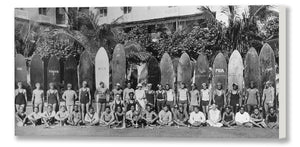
(150, 98)
(117, 105)
(20, 99)
(131, 103)
(228, 117)
(219, 100)
(52, 98)
(272, 119)
(119, 116)
(234, 99)
(84, 97)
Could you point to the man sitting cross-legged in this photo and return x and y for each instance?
(197, 118)
(181, 117)
(165, 117)
(242, 118)
(107, 118)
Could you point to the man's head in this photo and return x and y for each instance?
(234, 86)
(193, 86)
(131, 94)
(228, 109)
(159, 86)
(36, 109)
(84, 83)
(182, 85)
(76, 108)
(118, 96)
(165, 108)
(51, 85)
(139, 86)
(128, 85)
(63, 108)
(149, 86)
(251, 84)
(91, 110)
(132, 108)
(148, 108)
(256, 111)
(49, 108)
(19, 84)
(242, 110)
(196, 109)
(167, 86)
(213, 106)
(219, 86)
(101, 84)
(37, 85)
(118, 86)
(69, 86)
(271, 110)
(107, 109)
(119, 109)
(21, 109)
(204, 85)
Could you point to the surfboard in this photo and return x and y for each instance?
(235, 70)
(53, 72)
(193, 66)
(86, 71)
(175, 62)
(219, 71)
(20, 69)
(167, 71)
(184, 71)
(37, 71)
(142, 69)
(70, 72)
(118, 65)
(153, 72)
(201, 71)
(267, 65)
(102, 68)
(252, 68)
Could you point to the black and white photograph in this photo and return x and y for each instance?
(197, 71)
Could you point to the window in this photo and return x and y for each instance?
(43, 11)
(60, 16)
(126, 10)
(103, 11)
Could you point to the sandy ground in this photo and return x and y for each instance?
(207, 132)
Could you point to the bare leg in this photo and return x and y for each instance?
(102, 107)
(17, 107)
(82, 111)
(87, 106)
(54, 107)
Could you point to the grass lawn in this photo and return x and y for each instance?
(207, 132)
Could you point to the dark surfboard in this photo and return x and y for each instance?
(37, 71)
(70, 73)
(20, 69)
(267, 65)
(53, 72)
(220, 71)
(252, 68)
(153, 72)
(201, 71)
(167, 71)
(86, 71)
(184, 71)
(118, 66)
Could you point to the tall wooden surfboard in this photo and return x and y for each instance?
(267, 65)
(86, 71)
(219, 71)
(102, 68)
(201, 71)
(20, 69)
(53, 72)
(184, 71)
(119, 65)
(167, 71)
(252, 68)
(235, 70)
(153, 72)
(37, 71)
(70, 72)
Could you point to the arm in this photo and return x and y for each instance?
(240, 98)
(247, 96)
(47, 96)
(57, 96)
(75, 96)
(64, 96)
(90, 97)
(229, 97)
(258, 97)
(225, 103)
(155, 117)
(79, 95)
(33, 97)
(25, 94)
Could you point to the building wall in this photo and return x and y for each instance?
(33, 14)
(145, 13)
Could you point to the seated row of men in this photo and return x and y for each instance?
(147, 118)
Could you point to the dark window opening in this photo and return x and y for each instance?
(126, 10)
(43, 11)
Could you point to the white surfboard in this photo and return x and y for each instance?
(102, 68)
(235, 70)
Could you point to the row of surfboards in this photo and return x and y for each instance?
(258, 68)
